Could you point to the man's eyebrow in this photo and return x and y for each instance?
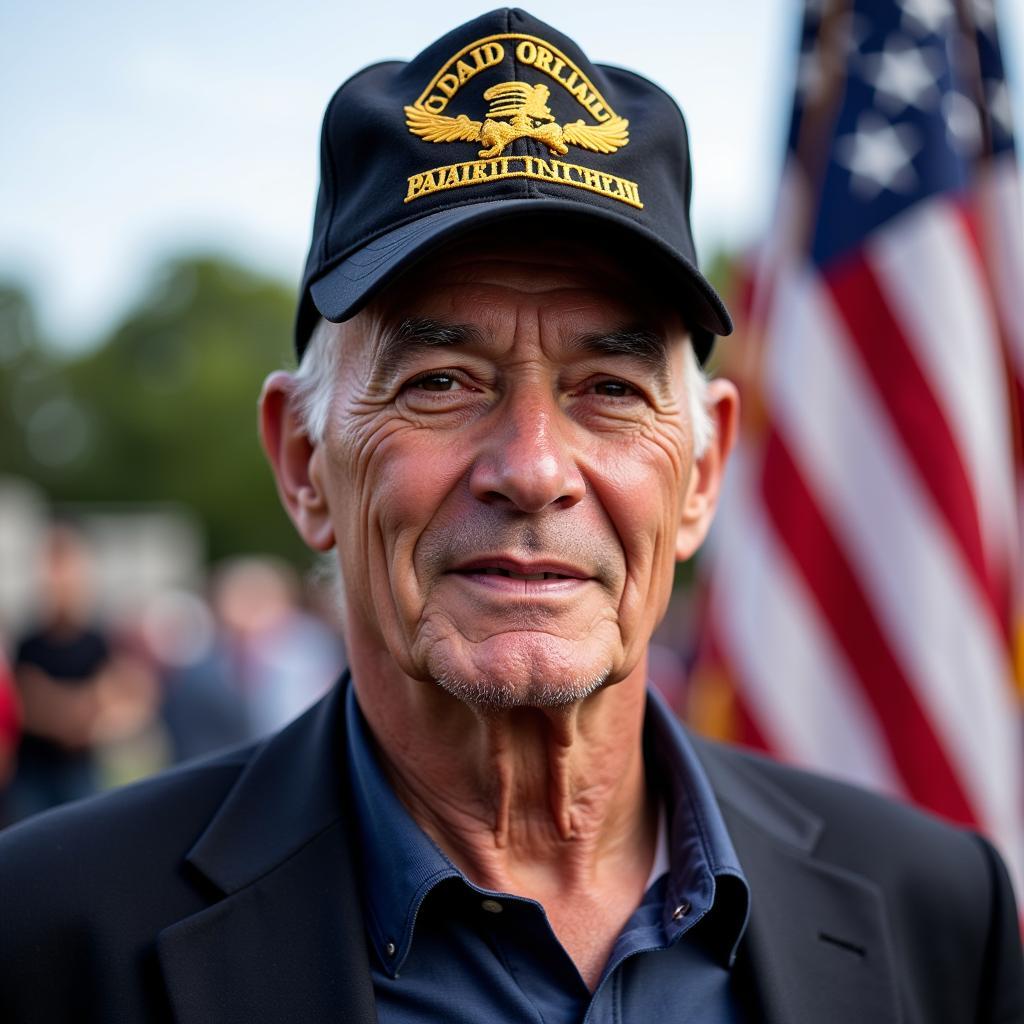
(399, 341)
(640, 343)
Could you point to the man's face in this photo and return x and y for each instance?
(505, 470)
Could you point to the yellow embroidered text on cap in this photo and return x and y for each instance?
(517, 110)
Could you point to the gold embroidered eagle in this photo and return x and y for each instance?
(528, 116)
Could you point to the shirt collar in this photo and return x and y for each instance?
(705, 876)
(401, 864)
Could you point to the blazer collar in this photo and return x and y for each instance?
(817, 946)
(286, 941)
(291, 790)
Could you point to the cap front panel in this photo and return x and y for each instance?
(511, 88)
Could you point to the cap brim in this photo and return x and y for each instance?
(344, 289)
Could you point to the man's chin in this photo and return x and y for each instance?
(534, 670)
(502, 693)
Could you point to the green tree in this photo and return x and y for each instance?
(164, 410)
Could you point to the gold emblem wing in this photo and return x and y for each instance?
(438, 128)
(600, 138)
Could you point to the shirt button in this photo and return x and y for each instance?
(681, 911)
(491, 906)
(390, 948)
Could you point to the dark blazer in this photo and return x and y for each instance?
(226, 891)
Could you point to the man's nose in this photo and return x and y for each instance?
(527, 460)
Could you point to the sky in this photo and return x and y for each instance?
(130, 132)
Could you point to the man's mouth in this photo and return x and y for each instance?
(521, 575)
(521, 572)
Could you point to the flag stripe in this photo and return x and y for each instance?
(931, 271)
(796, 684)
(921, 761)
(988, 241)
(1000, 197)
(914, 413)
(746, 729)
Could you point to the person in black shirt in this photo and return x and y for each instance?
(57, 668)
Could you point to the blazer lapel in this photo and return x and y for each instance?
(817, 946)
(284, 940)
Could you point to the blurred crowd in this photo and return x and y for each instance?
(88, 703)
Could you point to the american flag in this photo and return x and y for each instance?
(865, 577)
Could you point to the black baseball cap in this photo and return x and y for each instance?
(502, 120)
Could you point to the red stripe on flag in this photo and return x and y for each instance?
(916, 416)
(746, 730)
(801, 527)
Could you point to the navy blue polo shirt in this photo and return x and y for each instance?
(442, 948)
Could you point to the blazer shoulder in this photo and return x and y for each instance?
(838, 804)
(905, 849)
(86, 889)
(944, 883)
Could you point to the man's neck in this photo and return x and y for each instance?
(546, 803)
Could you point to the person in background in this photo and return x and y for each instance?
(58, 668)
(201, 708)
(280, 657)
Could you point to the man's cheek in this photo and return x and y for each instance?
(647, 528)
(401, 498)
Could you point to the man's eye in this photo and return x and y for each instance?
(436, 382)
(614, 389)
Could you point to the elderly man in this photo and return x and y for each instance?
(500, 425)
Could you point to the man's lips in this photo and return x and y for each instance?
(514, 569)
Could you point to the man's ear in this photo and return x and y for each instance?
(705, 481)
(295, 460)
